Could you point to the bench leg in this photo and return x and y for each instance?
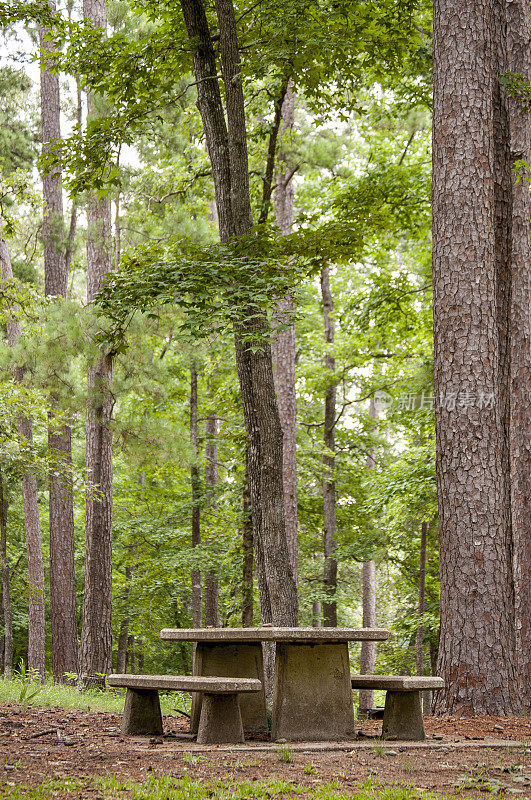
(403, 716)
(233, 661)
(220, 720)
(142, 715)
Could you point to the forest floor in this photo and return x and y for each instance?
(81, 755)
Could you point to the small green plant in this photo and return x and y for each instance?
(29, 689)
(408, 765)
(285, 753)
(479, 779)
(190, 758)
(378, 748)
(309, 769)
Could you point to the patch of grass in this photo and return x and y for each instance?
(285, 753)
(163, 787)
(478, 778)
(191, 758)
(24, 690)
(309, 769)
(378, 748)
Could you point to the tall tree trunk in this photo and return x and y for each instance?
(96, 637)
(7, 610)
(519, 54)
(316, 614)
(247, 545)
(227, 149)
(197, 601)
(368, 653)
(368, 579)
(471, 279)
(61, 501)
(211, 475)
(329, 461)
(30, 497)
(283, 345)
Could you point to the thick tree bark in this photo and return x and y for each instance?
(30, 497)
(471, 278)
(7, 610)
(317, 614)
(61, 502)
(211, 476)
(197, 594)
(227, 149)
(519, 55)
(96, 637)
(329, 460)
(283, 347)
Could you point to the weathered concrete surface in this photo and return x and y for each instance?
(271, 634)
(233, 661)
(403, 683)
(142, 715)
(187, 683)
(312, 698)
(220, 721)
(403, 716)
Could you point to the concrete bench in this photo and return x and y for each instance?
(220, 719)
(403, 712)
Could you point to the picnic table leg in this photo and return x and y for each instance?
(403, 716)
(220, 721)
(313, 697)
(233, 661)
(142, 716)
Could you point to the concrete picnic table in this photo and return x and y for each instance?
(312, 699)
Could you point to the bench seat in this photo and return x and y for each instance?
(403, 711)
(220, 719)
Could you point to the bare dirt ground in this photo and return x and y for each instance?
(460, 756)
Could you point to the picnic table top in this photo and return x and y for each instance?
(272, 634)
(186, 683)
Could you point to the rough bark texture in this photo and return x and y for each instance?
(96, 638)
(211, 475)
(283, 347)
(519, 54)
(329, 461)
(227, 149)
(197, 592)
(7, 611)
(471, 277)
(30, 498)
(61, 502)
